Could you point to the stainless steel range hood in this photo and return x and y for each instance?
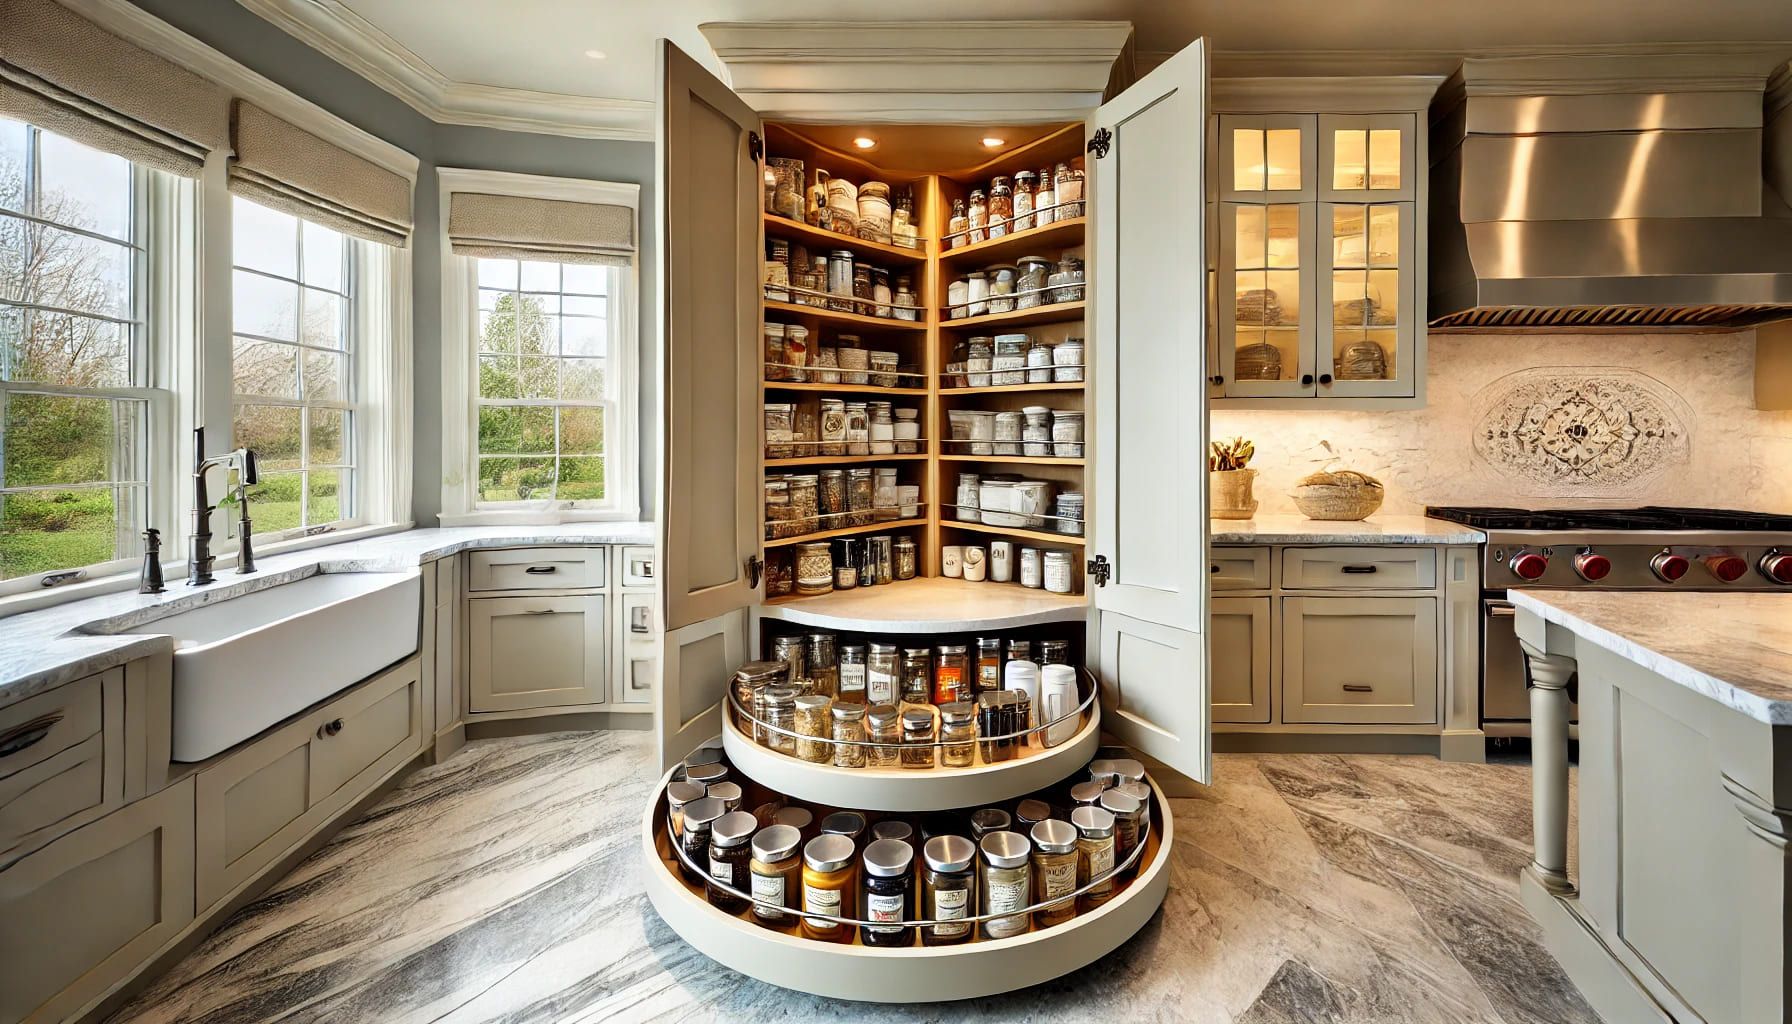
(1589, 193)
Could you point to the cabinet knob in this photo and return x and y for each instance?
(329, 728)
(1218, 378)
(1306, 379)
(1325, 378)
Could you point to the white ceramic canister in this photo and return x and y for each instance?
(1032, 500)
(1024, 676)
(976, 564)
(1057, 703)
(1057, 571)
(843, 201)
(952, 561)
(1067, 434)
(1030, 568)
(996, 498)
(1001, 561)
(1067, 361)
(969, 498)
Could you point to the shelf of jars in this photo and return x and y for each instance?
(1054, 236)
(928, 604)
(1049, 313)
(1015, 460)
(819, 314)
(841, 460)
(905, 907)
(1017, 533)
(853, 389)
(778, 226)
(850, 530)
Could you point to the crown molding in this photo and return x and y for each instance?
(1720, 61)
(131, 22)
(941, 72)
(1346, 95)
(352, 41)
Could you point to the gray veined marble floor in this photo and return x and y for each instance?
(504, 885)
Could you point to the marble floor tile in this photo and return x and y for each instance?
(505, 886)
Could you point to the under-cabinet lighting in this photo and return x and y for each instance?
(596, 54)
(991, 142)
(865, 142)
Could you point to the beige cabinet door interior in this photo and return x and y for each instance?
(709, 192)
(1239, 634)
(536, 652)
(1150, 378)
(1359, 660)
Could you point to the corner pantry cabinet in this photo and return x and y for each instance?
(1137, 604)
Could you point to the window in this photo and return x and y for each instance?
(546, 389)
(75, 369)
(293, 367)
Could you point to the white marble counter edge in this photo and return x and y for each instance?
(38, 652)
(1725, 692)
(1328, 532)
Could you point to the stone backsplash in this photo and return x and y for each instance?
(1535, 420)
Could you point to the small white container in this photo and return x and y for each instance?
(1001, 561)
(1067, 361)
(1057, 704)
(976, 564)
(952, 561)
(1067, 434)
(1057, 571)
(1030, 568)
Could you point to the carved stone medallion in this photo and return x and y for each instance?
(1580, 431)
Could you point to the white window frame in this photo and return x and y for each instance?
(460, 413)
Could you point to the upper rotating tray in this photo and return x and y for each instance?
(930, 604)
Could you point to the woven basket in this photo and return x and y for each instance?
(1229, 493)
(1344, 496)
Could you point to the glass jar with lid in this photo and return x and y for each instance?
(1058, 569)
(976, 293)
(902, 221)
(1030, 283)
(830, 887)
(861, 495)
(700, 817)
(951, 673)
(1066, 280)
(776, 360)
(1129, 823)
(864, 294)
(977, 219)
(883, 674)
(1069, 513)
(813, 728)
(849, 352)
(779, 715)
(957, 225)
(1054, 872)
(970, 501)
(958, 731)
(1068, 182)
(978, 353)
(1095, 854)
(880, 292)
(903, 303)
(905, 558)
(821, 658)
(949, 888)
(917, 677)
(852, 672)
(814, 568)
(840, 278)
(883, 493)
(858, 429)
(833, 427)
(1023, 200)
(1001, 288)
(1007, 883)
(1044, 198)
(917, 739)
(882, 428)
(730, 850)
(750, 681)
(849, 735)
(1067, 361)
(1001, 206)
(888, 893)
(776, 871)
(883, 736)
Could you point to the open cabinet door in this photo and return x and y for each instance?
(1148, 192)
(709, 195)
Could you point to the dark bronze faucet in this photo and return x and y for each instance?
(150, 580)
(199, 557)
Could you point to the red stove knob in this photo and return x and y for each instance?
(1669, 566)
(1528, 565)
(1727, 568)
(1777, 566)
(1592, 567)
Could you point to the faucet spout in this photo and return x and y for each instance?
(200, 557)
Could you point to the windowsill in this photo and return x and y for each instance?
(538, 517)
(33, 600)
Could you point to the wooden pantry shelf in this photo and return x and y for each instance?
(1056, 312)
(1002, 389)
(1058, 235)
(1041, 536)
(802, 231)
(843, 460)
(1014, 460)
(856, 389)
(848, 531)
(817, 314)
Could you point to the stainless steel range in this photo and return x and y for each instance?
(1606, 549)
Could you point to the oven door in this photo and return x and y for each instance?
(1504, 695)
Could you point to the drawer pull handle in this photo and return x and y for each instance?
(540, 570)
(541, 611)
(1360, 570)
(28, 734)
(1213, 568)
(640, 619)
(1358, 688)
(329, 728)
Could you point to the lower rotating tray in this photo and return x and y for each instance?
(911, 789)
(912, 974)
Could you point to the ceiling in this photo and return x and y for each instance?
(541, 45)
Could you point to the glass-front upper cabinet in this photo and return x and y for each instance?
(1315, 277)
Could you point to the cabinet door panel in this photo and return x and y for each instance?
(1241, 653)
(1368, 660)
(1368, 157)
(535, 652)
(1367, 314)
(1150, 396)
(1266, 299)
(637, 649)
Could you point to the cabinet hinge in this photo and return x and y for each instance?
(755, 146)
(1099, 567)
(755, 571)
(1100, 144)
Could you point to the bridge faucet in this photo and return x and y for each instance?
(200, 558)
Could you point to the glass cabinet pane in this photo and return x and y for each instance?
(1365, 290)
(1365, 158)
(1266, 292)
(1266, 159)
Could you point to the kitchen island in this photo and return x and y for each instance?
(1678, 907)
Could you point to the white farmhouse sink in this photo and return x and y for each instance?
(243, 664)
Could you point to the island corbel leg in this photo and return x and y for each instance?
(1548, 683)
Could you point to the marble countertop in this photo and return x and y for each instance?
(1377, 529)
(1733, 648)
(38, 650)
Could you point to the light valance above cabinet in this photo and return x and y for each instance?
(66, 74)
(524, 227)
(281, 165)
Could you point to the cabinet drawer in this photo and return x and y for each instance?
(86, 911)
(1359, 568)
(1359, 660)
(536, 652)
(638, 567)
(56, 771)
(537, 569)
(637, 649)
(1238, 568)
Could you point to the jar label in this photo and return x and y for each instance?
(881, 689)
(951, 905)
(885, 908)
(1003, 897)
(721, 871)
(768, 889)
(1059, 879)
(822, 901)
(852, 679)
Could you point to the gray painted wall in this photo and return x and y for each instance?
(230, 28)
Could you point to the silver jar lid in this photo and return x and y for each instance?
(889, 858)
(725, 791)
(893, 829)
(1030, 811)
(703, 812)
(985, 820)
(1087, 794)
(1137, 790)
(828, 852)
(881, 716)
(958, 712)
(846, 823)
(733, 829)
(1054, 836)
(704, 755)
(949, 853)
(1093, 822)
(813, 702)
(758, 672)
(916, 720)
(776, 842)
(795, 817)
(1102, 770)
(917, 652)
(678, 794)
(1005, 849)
(953, 649)
(847, 711)
(706, 774)
(782, 696)
(1120, 804)
(882, 648)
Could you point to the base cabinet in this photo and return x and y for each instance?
(84, 912)
(636, 649)
(1359, 660)
(536, 652)
(1240, 640)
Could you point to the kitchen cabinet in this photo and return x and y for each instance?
(1366, 660)
(1239, 632)
(62, 756)
(637, 648)
(538, 651)
(1318, 268)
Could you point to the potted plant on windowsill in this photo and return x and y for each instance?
(1229, 479)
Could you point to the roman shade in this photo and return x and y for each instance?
(518, 227)
(281, 165)
(63, 73)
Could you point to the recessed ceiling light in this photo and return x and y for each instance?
(596, 54)
(992, 142)
(865, 142)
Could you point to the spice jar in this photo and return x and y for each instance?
(846, 563)
(874, 211)
(902, 222)
(1069, 186)
(814, 568)
(852, 672)
(948, 889)
(883, 674)
(1030, 812)
(850, 824)
(780, 573)
(883, 736)
(989, 663)
(905, 558)
(917, 677)
(977, 293)
(831, 496)
(777, 358)
(779, 712)
(951, 673)
(1001, 206)
(892, 828)
(1054, 652)
(903, 303)
(958, 731)
(1067, 361)
(917, 739)
(1129, 823)
(849, 735)
(792, 650)
(1023, 200)
(985, 820)
(1044, 198)
(678, 796)
(977, 218)
(813, 728)
(822, 661)
(849, 352)
(861, 496)
(1030, 283)
(1007, 883)
(882, 428)
(858, 429)
(729, 854)
(1058, 568)
(1066, 280)
(957, 225)
(833, 426)
(1054, 872)
(699, 817)
(776, 873)
(1094, 855)
(1087, 794)
(889, 893)
(727, 792)
(1001, 290)
(798, 818)
(750, 681)
(840, 277)
(864, 295)
(829, 885)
